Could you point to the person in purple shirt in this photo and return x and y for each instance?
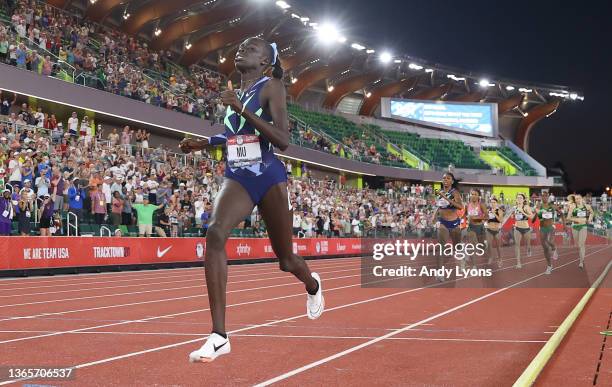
(6, 213)
(45, 213)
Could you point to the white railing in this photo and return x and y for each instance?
(104, 229)
(72, 225)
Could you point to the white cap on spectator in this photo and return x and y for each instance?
(27, 181)
(182, 185)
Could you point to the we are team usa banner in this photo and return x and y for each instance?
(17, 253)
(471, 118)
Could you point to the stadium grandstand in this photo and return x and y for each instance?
(159, 66)
(126, 144)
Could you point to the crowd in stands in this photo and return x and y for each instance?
(113, 178)
(42, 37)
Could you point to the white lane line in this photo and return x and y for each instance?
(401, 330)
(203, 295)
(202, 310)
(195, 275)
(187, 312)
(199, 286)
(200, 334)
(156, 349)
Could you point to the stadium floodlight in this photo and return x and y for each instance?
(370, 51)
(509, 88)
(573, 96)
(429, 70)
(295, 16)
(358, 46)
(283, 5)
(92, 2)
(342, 39)
(157, 32)
(330, 88)
(525, 90)
(386, 57)
(484, 83)
(304, 19)
(398, 61)
(415, 66)
(294, 80)
(126, 16)
(328, 33)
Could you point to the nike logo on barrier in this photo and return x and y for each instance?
(161, 253)
(219, 347)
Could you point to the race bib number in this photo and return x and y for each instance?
(5, 214)
(547, 215)
(28, 214)
(243, 151)
(582, 214)
(102, 203)
(492, 215)
(473, 212)
(77, 198)
(519, 216)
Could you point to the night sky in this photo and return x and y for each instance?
(544, 41)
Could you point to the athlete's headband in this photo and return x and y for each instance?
(275, 53)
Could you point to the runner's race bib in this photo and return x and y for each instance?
(28, 214)
(5, 214)
(473, 212)
(547, 215)
(582, 214)
(519, 216)
(243, 151)
(492, 215)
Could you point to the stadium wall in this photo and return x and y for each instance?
(28, 253)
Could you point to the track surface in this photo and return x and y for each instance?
(137, 328)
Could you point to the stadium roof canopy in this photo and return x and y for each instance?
(208, 32)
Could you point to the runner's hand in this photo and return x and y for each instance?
(230, 98)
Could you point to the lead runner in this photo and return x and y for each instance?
(255, 122)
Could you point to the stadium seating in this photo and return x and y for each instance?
(514, 159)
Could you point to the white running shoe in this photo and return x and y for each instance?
(548, 270)
(581, 264)
(315, 304)
(529, 253)
(215, 346)
(519, 265)
(555, 255)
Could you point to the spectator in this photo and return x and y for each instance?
(73, 124)
(117, 208)
(24, 216)
(75, 199)
(98, 204)
(6, 213)
(163, 223)
(45, 214)
(145, 216)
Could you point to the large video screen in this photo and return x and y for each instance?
(471, 118)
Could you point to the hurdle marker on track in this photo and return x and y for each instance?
(536, 366)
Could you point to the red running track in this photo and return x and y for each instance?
(137, 328)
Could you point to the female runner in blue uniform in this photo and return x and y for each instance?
(255, 122)
(448, 201)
